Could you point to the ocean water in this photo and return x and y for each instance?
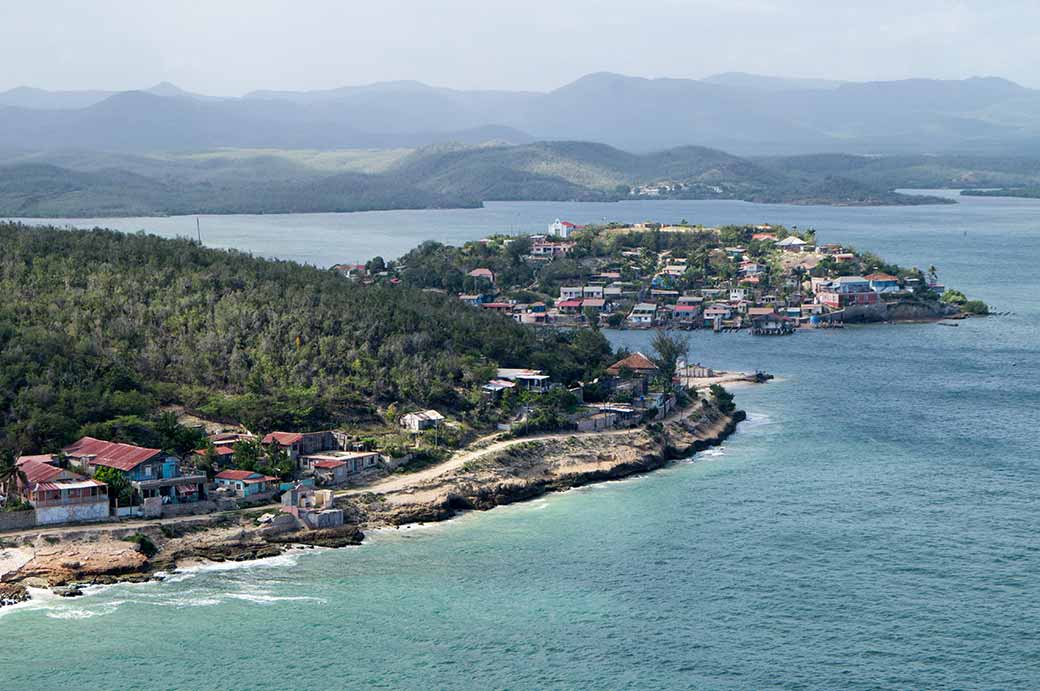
(873, 525)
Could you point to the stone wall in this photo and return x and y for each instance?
(73, 513)
(17, 520)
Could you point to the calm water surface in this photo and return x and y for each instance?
(873, 526)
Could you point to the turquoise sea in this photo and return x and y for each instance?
(874, 525)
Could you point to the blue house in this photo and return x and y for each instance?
(246, 483)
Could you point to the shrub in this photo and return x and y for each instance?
(143, 543)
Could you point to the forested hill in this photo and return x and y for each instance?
(98, 326)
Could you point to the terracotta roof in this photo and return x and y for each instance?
(111, 454)
(235, 474)
(637, 362)
(283, 438)
(329, 464)
(881, 277)
(221, 451)
(37, 471)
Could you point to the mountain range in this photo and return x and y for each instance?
(748, 115)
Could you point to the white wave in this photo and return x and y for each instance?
(288, 559)
(262, 599)
(757, 419)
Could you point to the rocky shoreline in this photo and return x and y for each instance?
(523, 471)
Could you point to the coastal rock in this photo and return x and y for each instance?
(68, 591)
(82, 562)
(343, 536)
(12, 594)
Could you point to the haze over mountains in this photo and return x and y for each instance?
(744, 114)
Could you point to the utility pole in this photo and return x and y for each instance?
(198, 230)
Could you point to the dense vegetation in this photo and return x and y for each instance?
(40, 190)
(99, 329)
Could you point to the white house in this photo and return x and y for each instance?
(426, 419)
(561, 229)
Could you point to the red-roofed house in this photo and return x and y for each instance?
(636, 363)
(487, 274)
(59, 495)
(152, 473)
(298, 444)
(246, 483)
(225, 455)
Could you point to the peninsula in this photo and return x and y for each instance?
(767, 279)
(206, 404)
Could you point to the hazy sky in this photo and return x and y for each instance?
(228, 47)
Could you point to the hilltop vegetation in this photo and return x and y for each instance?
(98, 329)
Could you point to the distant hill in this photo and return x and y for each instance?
(766, 83)
(77, 183)
(741, 113)
(46, 191)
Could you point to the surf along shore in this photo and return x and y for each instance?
(487, 474)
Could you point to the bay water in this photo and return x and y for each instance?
(873, 525)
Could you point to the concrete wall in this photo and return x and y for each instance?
(17, 520)
(73, 513)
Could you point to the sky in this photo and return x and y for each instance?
(229, 47)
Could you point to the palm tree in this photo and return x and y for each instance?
(10, 474)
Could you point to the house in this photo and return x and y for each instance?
(771, 325)
(316, 509)
(572, 306)
(229, 438)
(526, 379)
(224, 455)
(738, 294)
(561, 229)
(331, 472)
(716, 313)
(417, 422)
(351, 271)
(298, 444)
(486, 274)
(496, 387)
(152, 473)
(246, 483)
(686, 314)
(571, 292)
(643, 314)
(636, 363)
(355, 461)
(883, 283)
(792, 244)
(59, 495)
(500, 307)
(847, 290)
(594, 304)
(475, 299)
(547, 249)
(764, 237)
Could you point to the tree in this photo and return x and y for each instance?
(11, 475)
(119, 487)
(375, 265)
(248, 454)
(668, 348)
(723, 398)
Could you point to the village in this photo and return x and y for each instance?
(297, 475)
(764, 279)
